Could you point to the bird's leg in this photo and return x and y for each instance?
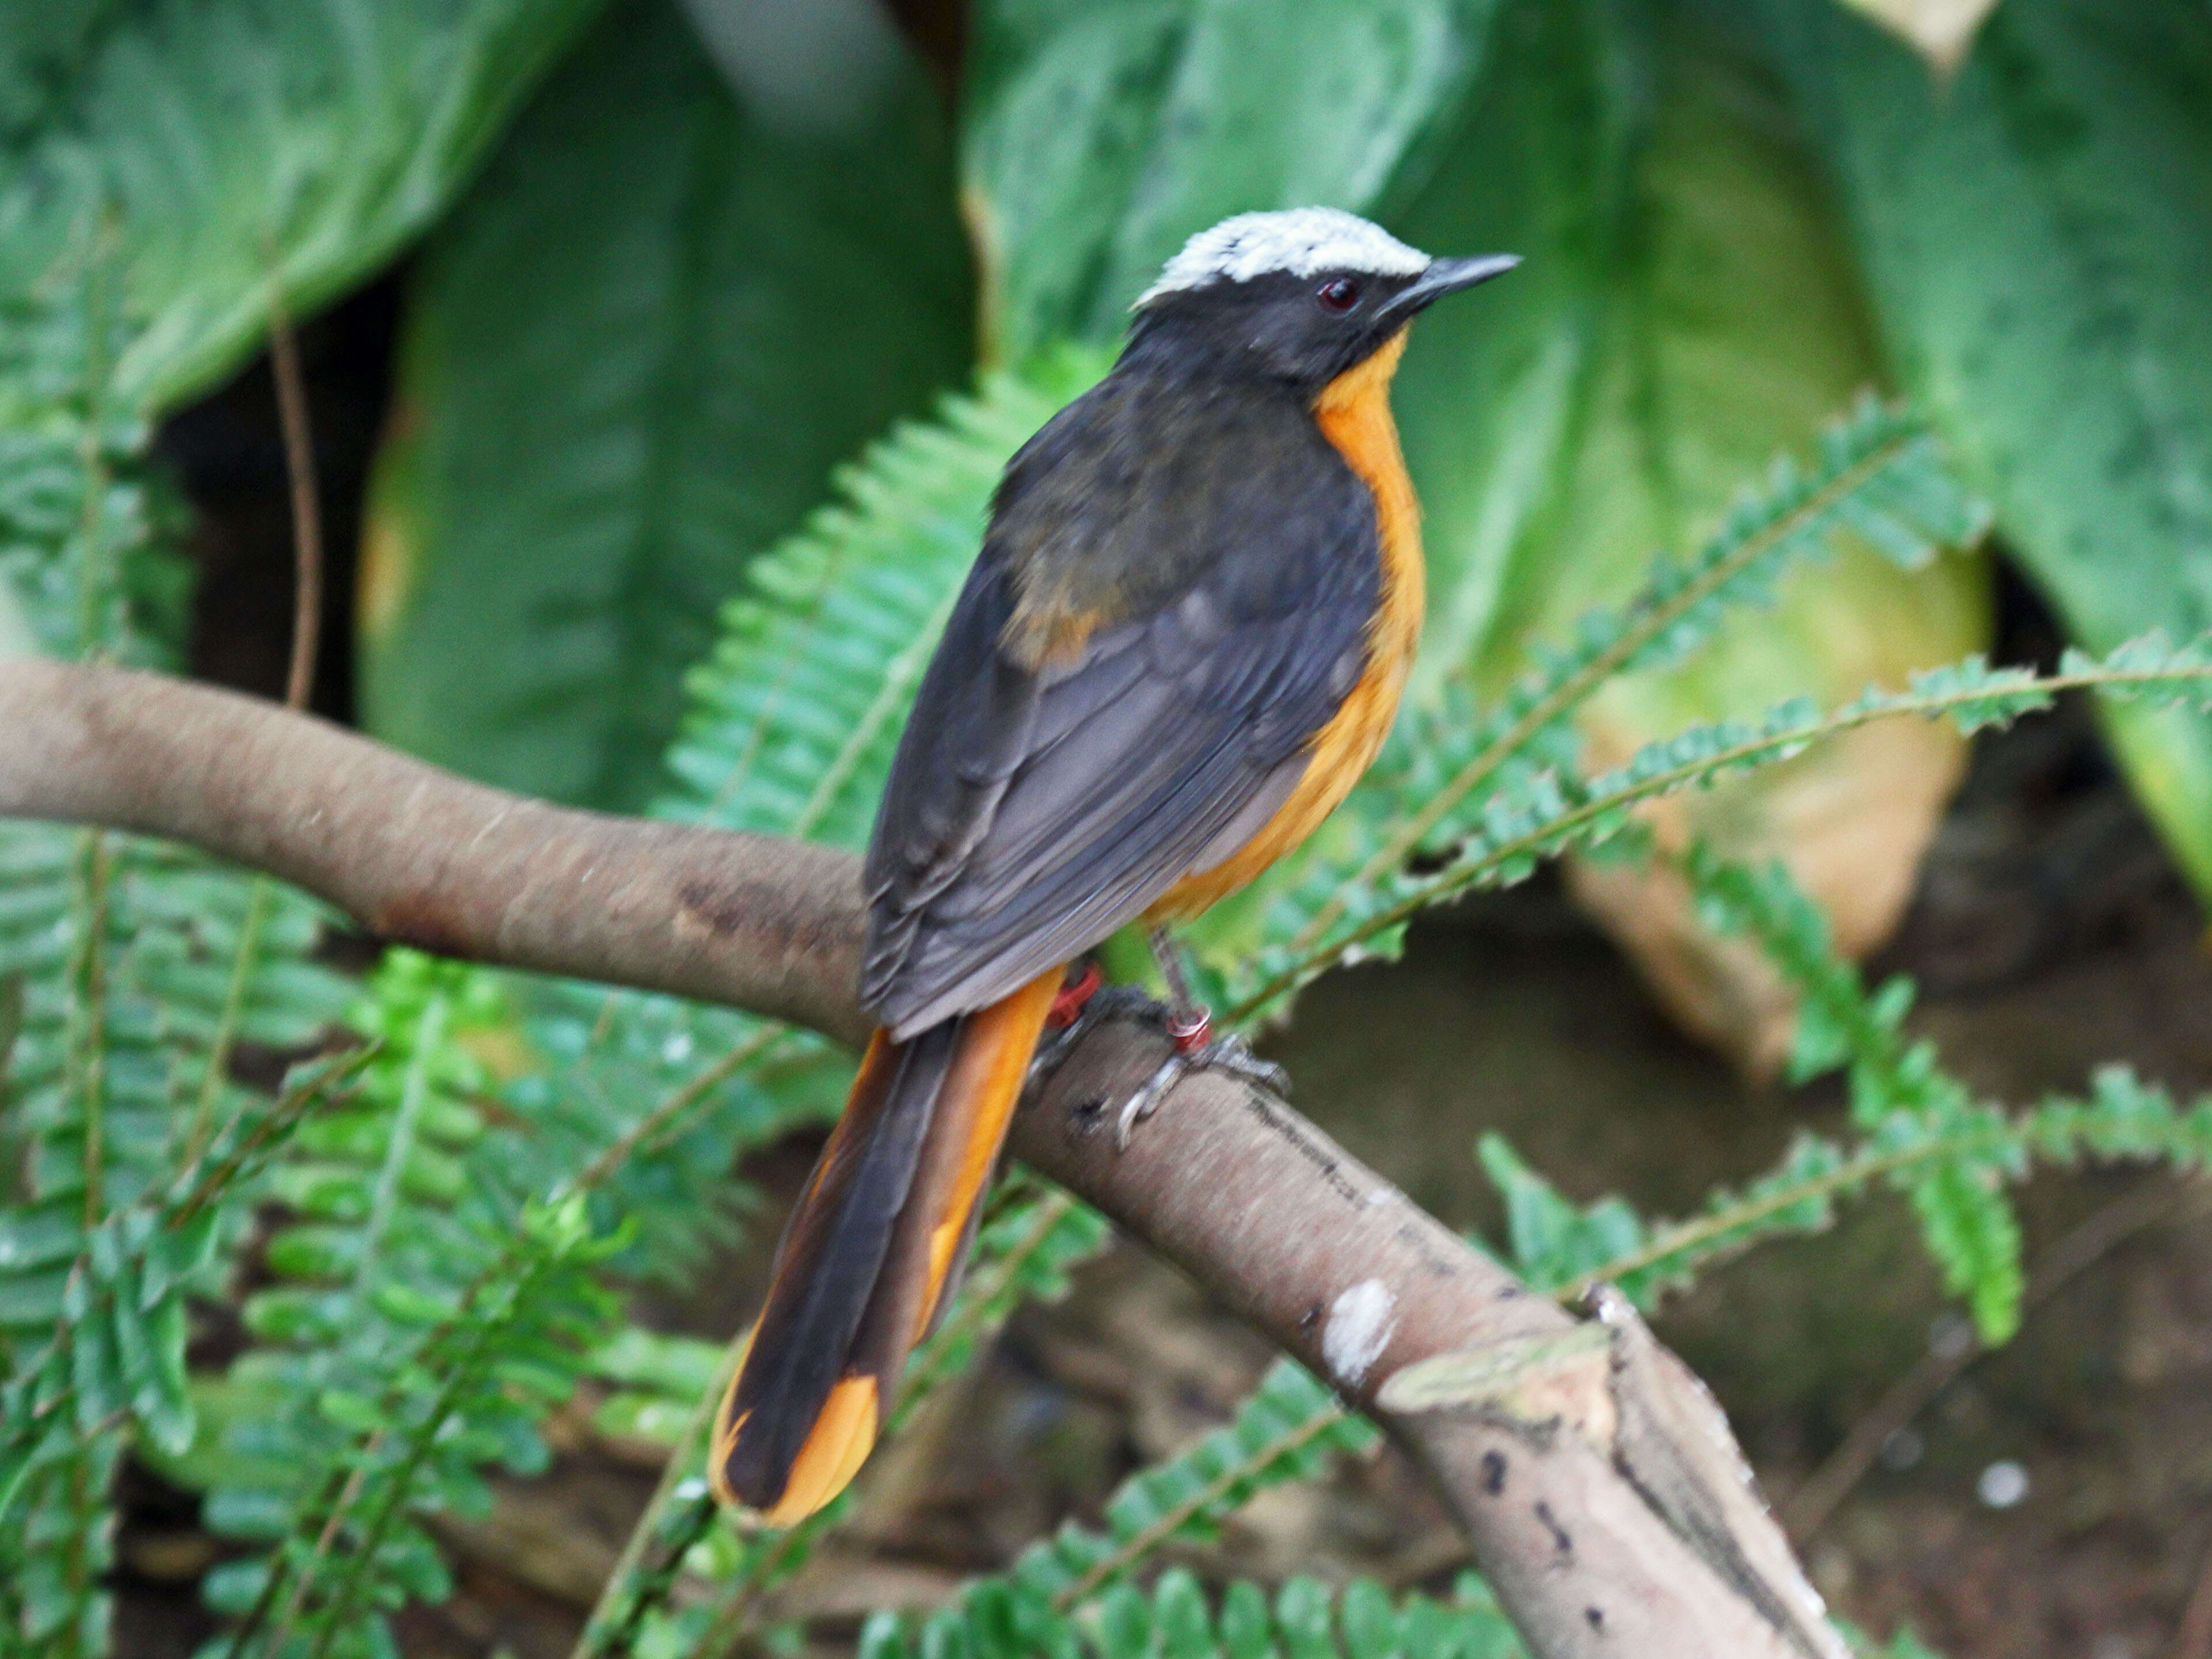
(1084, 1000)
(1190, 1026)
(1073, 996)
(1189, 1022)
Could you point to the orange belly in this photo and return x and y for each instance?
(1353, 412)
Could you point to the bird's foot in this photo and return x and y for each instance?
(1082, 1003)
(1196, 1049)
(1086, 1001)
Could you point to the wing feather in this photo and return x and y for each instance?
(1033, 810)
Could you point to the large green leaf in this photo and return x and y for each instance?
(229, 149)
(1688, 309)
(1097, 138)
(42, 48)
(631, 361)
(2036, 232)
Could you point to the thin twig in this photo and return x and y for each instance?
(306, 503)
(1811, 1505)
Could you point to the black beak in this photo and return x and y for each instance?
(1448, 276)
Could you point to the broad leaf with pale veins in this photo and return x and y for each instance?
(2037, 237)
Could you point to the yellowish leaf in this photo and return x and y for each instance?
(1941, 31)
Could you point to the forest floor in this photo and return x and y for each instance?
(2052, 1500)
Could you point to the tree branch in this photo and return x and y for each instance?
(1596, 1482)
(423, 857)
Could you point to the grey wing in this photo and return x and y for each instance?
(1030, 814)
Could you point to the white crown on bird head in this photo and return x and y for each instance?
(1289, 242)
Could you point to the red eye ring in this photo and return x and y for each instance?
(1338, 295)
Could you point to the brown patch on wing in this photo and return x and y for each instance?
(1040, 635)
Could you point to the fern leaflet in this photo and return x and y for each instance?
(133, 973)
(1536, 814)
(1000, 1619)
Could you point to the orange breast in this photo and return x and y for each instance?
(1353, 412)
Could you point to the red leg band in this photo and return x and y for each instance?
(1190, 1029)
(1067, 1002)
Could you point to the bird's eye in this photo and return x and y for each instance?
(1338, 295)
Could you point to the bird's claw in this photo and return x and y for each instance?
(1086, 1003)
(1234, 1055)
(1231, 1054)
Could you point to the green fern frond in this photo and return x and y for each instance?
(1877, 477)
(463, 1390)
(86, 544)
(135, 972)
(1000, 1619)
(647, 1102)
(95, 1342)
(436, 1302)
(1552, 1241)
(794, 717)
(445, 1277)
(1920, 1131)
(1562, 1248)
(1532, 812)
(1288, 1429)
(1898, 1087)
(654, 1382)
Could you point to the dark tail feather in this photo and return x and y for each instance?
(870, 1254)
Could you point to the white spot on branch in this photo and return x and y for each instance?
(1360, 1322)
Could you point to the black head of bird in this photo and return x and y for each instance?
(1298, 296)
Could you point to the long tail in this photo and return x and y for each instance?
(870, 1253)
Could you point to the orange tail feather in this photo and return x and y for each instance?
(870, 1254)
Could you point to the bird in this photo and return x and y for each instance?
(1184, 638)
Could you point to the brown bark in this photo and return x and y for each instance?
(1596, 1483)
(420, 856)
